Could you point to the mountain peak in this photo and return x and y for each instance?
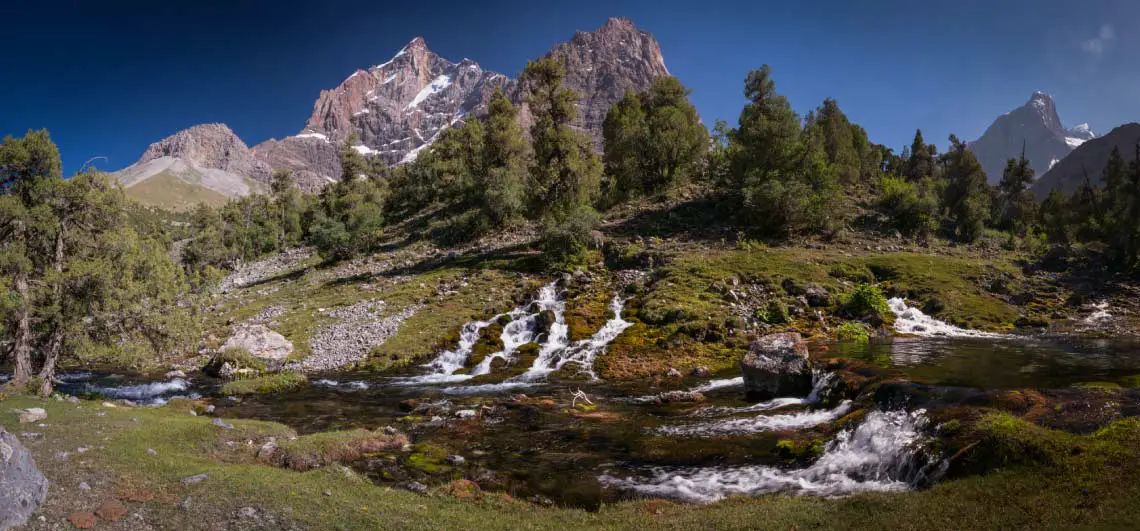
(1041, 95)
(417, 43)
(618, 23)
(1036, 127)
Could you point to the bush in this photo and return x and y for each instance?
(566, 238)
(911, 208)
(868, 302)
(775, 313)
(274, 383)
(853, 332)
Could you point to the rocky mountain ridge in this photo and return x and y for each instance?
(397, 108)
(1036, 128)
(1088, 161)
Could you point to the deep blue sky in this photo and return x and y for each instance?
(108, 80)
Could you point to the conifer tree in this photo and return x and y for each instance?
(966, 198)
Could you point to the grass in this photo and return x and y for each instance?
(1090, 488)
(323, 449)
(168, 191)
(272, 383)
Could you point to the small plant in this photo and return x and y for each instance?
(868, 302)
(274, 383)
(774, 314)
(853, 332)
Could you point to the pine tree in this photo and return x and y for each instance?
(502, 181)
(1016, 207)
(565, 173)
(921, 161)
(624, 133)
(966, 198)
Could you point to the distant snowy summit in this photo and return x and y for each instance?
(1034, 127)
(397, 108)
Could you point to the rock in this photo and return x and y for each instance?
(539, 499)
(328, 493)
(408, 405)
(268, 452)
(544, 321)
(108, 404)
(672, 373)
(197, 478)
(247, 512)
(22, 486)
(416, 487)
(669, 397)
(73, 399)
(32, 414)
(261, 342)
(222, 424)
(82, 519)
(465, 413)
(817, 296)
(111, 510)
(210, 409)
(701, 372)
(175, 374)
(792, 288)
(777, 365)
(150, 451)
(84, 486)
(455, 460)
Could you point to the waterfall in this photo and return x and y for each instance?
(820, 381)
(910, 320)
(882, 454)
(555, 353)
(521, 329)
(719, 384)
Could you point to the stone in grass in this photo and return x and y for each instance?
(196, 478)
(22, 486)
(777, 365)
(111, 510)
(32, 414)
(222, 424)
(82, 519)
(416, 487)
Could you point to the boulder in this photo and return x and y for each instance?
(261, 342)
(22, 486)
(817, 296)
(32, 414)
(777, 365)
(675, 397)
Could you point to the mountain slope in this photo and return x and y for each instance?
(1090, 157)
(201, 164)
(1036, 127)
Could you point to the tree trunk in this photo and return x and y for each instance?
(55, 344)
(21, 344)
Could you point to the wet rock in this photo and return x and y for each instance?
(261, 342)
(416, 487)
(817, 296)
(22, 486)
(544, 322)
(455, 460)
(32, 414)
(672, 373)
(777, 365)
(175, 374)
(672, 397)
(465, 413)
(700, 372)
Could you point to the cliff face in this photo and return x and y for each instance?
(1036, 127)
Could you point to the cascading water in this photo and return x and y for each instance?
(882, 454)
(820, 382)
(155, 393)
(444, 366)
(719, 384)
(555, 353)
(910, 320)
(522, 328)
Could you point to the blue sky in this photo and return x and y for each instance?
(109, 79)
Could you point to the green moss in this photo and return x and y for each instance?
(1106, 386)
(775, 313)
(273, 383)
(853, 332)
(868, 302)
(428, 458)
(800, 450)
(239, 358)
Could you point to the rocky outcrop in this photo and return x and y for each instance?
(601, 66)
(777, 365)
(1089, 159)
(1034, 127)
(261, 342)
(22, 486)
(314, 161)
(397, 107)
(206, 157)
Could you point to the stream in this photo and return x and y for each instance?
(518, 435)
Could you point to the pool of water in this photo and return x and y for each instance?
(1003, 363)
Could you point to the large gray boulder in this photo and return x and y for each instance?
(22, 486)
(777, 365)
(261, 342)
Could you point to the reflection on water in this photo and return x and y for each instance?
(1003, 363)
